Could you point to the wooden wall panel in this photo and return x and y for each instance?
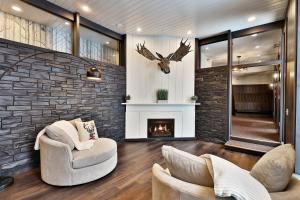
(144, 77)
(290, 73)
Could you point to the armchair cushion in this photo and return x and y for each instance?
(187, 167)
(54, 132)
(102, 150)
(274, 170)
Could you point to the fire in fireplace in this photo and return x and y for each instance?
(160, 128)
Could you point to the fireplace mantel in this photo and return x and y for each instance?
(137, 115)
(162, 104)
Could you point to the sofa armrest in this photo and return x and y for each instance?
(56, 160)
(54, 147)
(292, 192)
(165, 187)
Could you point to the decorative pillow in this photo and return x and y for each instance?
(66, 128)
(232, 181)
(57, 133)
(87, 130)
(74, 120)
(187, 167)
(274, 170)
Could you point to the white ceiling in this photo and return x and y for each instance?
(176, 17)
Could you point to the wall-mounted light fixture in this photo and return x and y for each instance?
(93, 73)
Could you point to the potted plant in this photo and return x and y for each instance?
(127, 98)
(162, 96)
(194, 98)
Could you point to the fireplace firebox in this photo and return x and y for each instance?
(160, 128)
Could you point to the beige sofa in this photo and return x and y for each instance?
(166, 187)
(62, 167)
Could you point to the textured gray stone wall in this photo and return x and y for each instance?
(52, 87)
(211, 116)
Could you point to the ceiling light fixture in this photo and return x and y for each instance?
(258, 55)
(16, 8)
(251, 19)
(107, 42)
(259, 61)
(67, 23)
(275, 75)
(271, 85)
(257, 47)
(138, 29)
(206, 48)
(254, 35)
(239, 68)
(85, 8)
(189, 32)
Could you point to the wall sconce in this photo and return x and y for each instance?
(93, 73)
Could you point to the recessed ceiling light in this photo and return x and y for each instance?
(251, 19)
(138, 29)
(206, 48)
(67, 23)
(85, 8)
(189, 32)
(258, 55)
(16, 8)
(257, 47)
(107, 42)
(254, 35)
(259, 61)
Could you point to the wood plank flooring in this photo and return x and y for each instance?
(255, 128)
(131, 180)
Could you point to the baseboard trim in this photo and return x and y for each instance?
(160, 139)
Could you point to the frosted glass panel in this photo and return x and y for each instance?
(34, 26)
(96, 46)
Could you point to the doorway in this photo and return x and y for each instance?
(256, 104)
(257, 90)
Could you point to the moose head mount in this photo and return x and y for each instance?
(164, 62)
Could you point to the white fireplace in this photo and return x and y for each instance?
(137, 115)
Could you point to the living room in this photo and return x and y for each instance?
(149, 99)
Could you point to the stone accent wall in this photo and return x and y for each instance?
(211, 116)
(51, 87)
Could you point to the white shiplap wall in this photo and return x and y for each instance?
(144, 77)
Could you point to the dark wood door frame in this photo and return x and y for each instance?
(229, 36)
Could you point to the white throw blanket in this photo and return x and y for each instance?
(68, 128)
(232, 181)
(37, 140)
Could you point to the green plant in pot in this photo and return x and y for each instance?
(162, 96)
(194, 98)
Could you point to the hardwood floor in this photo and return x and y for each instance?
(131, 180)
(255, 128)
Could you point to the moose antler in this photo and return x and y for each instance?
(165, 61)
(182, 51)
(141, 49)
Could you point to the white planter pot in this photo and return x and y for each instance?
(162, 101)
